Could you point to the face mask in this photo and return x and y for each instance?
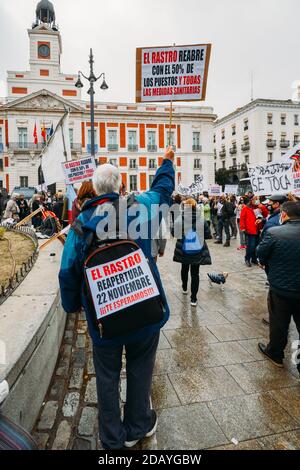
(257, 202)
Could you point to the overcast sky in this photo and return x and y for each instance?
(246, 35)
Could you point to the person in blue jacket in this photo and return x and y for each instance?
(139, 419)
(274, 204)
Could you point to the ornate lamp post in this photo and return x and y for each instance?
(92, 79)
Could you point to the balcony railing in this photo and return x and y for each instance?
(132, 148)
(112, 147)
(245, 147)
(1, 147)
(89, 147)
(25, 146)
(233, 150)
(76, 147)
(152, 148)
(284, 143)
(197, 148)
(271, 143)
(222, 153)
(152, 166)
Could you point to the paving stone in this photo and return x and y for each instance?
(77, 378)
(90, 365)
(41, 439)
(66, 352)
(63, 368)
(190, 427)
(71, 403)
(187, 336)
(87, 421)
(288, 399)
(285, 441)
(81, 444)
(251, 346)
(163, 342)
(175, 321)
(57, 389)
(63, 435)
(198, 385)
(253, 444)
(237, 331)
(163, 394)
(68, 338)
(221, 354)
(48, 416)
(250, 416)
(260, 376)
(80, 342)
(175, 360)
(81, 316)
(79, 358)
(91, 391)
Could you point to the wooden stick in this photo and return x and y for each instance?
(29, 217)
(55, 237)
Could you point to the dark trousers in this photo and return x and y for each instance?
(195, 278)
(223, 224)
(140, 359)
(233, 226)
(281, 309)
(252, 242)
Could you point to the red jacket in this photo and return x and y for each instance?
(248, 218)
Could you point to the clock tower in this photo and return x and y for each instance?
(45, 49)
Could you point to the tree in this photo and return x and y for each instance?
(222, 176)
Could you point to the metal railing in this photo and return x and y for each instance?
(222, 153)
(89, 147)
(18, 276)
(245, 147)
(152, 148)
(25, 146)
(197, 148)
(112, 147)
(132, 147)
(284, 143)
(271, 143)
(1, 147)
(76, 147)
(233, 150)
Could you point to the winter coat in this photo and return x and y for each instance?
(12, 210)
(279, 252)
(71, 275)
(272, 221)
(227, 210)
(248, 218)
(201, 258)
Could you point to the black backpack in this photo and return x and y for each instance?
(121, 289)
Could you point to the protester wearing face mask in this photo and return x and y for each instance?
(251, 219)
(239, 208)
(273, 204)
(279, 255)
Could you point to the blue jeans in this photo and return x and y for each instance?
(140, 359)
(252, 242)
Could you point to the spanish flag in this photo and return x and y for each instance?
(44, 133)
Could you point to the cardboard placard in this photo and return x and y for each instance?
(79, 170)
(121, 283)
(215, 190)
(176, 73)
(231, 189)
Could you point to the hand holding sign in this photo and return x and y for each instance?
(169, 154)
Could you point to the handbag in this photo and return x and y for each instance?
(191, 243)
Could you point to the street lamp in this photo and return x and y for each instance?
(92, 79)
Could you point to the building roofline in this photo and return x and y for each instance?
(256, 103)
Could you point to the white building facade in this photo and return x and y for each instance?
(131, 136)
(260, 132)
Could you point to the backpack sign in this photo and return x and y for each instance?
(191, 243)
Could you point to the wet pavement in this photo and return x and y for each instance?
(212, 389)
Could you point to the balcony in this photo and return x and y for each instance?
(152, 166)
(25, 146)
(233, 150)
(132, 148)
(89, 147)
(151, 148)
(76, 147)
(284, 144)
(222, 153)
(245, 147)
(197, 148)
(271, 143)
(112, 147)
(1, 147)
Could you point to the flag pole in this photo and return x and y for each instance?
(171, 115)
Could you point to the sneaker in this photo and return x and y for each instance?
(184, 292)
(194, 303)
(248, 264)
(227, 243)
(154, 422)
(218, 242)
(240, 247)
(264, 350)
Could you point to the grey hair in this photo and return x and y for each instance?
(106, 179)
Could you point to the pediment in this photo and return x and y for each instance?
(43, 100)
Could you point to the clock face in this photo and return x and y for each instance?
(44, 50)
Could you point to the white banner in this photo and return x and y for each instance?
(275, 177)
(79, 170)
(231, 189)
(215, 190)
(54, 153)
(121, 283)
(177, 73)
(195, 188)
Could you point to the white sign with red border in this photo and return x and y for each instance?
(79, 170)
